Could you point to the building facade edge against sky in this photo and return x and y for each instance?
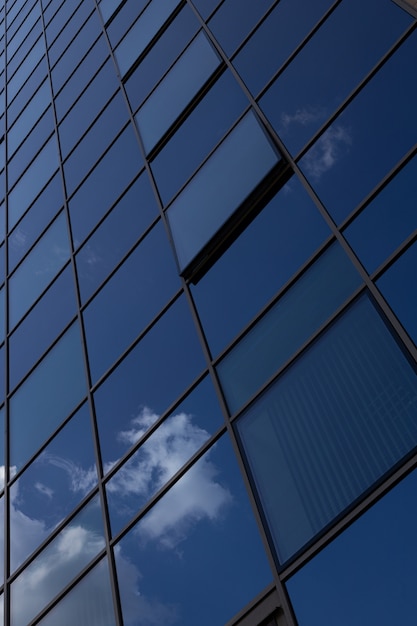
(209, 342)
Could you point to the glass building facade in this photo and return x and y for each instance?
(208, 253)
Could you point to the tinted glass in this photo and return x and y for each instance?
(336, 421)
(217, 190)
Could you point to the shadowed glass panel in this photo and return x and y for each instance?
(47, 396)
(165, 564)
(207, 123)
(356, 565)
(178, 87)
(170, 446)
(38, 269)
(315, 83)
(143, 31)
(73, 548)
(265, 256)
(43, 324)
(102, 251)
(105, 184)
(51, 487)
(87, 604)
(130, 300)
(287, 326)
(399, 287)
(239, 164)
(387, 221)
(354, 147)
(333, 424)
(154, 374)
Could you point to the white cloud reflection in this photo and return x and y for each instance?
(302, 117)
(197, 496)
(329, 148)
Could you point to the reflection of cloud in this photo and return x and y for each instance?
(18, 239)
(80, 480)
(197, 494)
(44, 490)
(326, 151)
(302, 117)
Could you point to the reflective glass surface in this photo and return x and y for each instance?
(179, 86)
(34, 414)
(357, 565)
(154, 374)
(336, 421)
(133, 296)
(287, 326)
(59, 562)
(51, 487)
(226, 179)
(265, 256)
(165, 565)
(171, 445)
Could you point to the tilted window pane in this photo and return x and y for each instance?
(47, 397)
(51, 487)
(77, 544)
(87, 604)
(108, 7)
(334, 423)
(28, 89)
(124, 18)
(198, 537)
(365, 563)
(141, 380)
(131, 299)
(266, 255)
(25, 69)
(179, 86)
(143, 31)
(170, 446)
(287, 326)
(38, 269)
(102, 251)
(354, 147)
(28, 117)
(398, 285)
(387, 221)
(316, 82)
(204, 127)
(239, 164)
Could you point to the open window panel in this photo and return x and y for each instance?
(408, 5)
(264, 610)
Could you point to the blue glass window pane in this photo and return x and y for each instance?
(28, 117)
(51, 487)
(43, 324)
(178, 87)
(303, 97)
(87, 604)
(287, 326)
(334, 423)
(41, 213)
(289, 23)
(130, 300)
(364, 563)
(399, 287)
(108, 7)
(198, 135)
(2, 315)
(198, 538)
(235, 19)
(206, 7)
(73, 548)
(387, 221)
(143, 31)
(25, 69)
(102, 251)
(105, 184)
(28, 89)
(32, 181)
(160, 57)
(281, 238)
(171, 445)
(38, 269)
(354, 147)
(226, 179)
(47, 396)
(141, 380)
(124, 18)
